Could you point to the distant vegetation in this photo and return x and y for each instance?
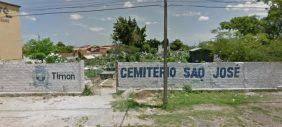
(250, 38)
(46, 50)
(247, 38)
(132, 44)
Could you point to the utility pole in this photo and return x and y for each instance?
(165, 100)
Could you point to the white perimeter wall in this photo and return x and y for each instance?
(21, 78)
(249, 75)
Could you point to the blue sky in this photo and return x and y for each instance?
(190, 24)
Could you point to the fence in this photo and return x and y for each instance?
(41, 78)
(201, 76)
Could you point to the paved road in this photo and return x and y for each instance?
(62, 111)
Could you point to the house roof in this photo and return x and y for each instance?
(110, 46)
(10, 4)
(89, 57)
(195, 49)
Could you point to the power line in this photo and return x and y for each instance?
(207, 1)
(219, 1)
(72, 6)
(85, 11)
(84, 6)
(139, 6)
(95, 4)
(204, 6)
(59, 2)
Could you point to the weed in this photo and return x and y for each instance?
(187, 88)
(87, 91)
(82, 121)
(123, 104)
(182, 99)
(117, 94)
(172, 119)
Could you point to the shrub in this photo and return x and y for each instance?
(87, 91)
(187, 88)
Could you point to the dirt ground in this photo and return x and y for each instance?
(64, 111)
(264, 113)
(61, 111)
(92, 111)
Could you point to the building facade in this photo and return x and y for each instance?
(10, 33)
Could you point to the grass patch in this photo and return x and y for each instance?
(92, 73)
(87, 91)
(172, 119)
(181, 100)
(193, 118)
(123, 105)
(178, 100)
(117, 94)
(261, 110)
(82, 121)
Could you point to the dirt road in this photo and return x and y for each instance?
(61, 111)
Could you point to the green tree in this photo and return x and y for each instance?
(154, 43)
(255, 39)
(273, 20)
(62, 48)
(178, 45)
(127, 32)
(244, 25)
(151, 46)
(271, 24)
(39, 49)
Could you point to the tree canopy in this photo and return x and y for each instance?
(178, 45)
(255, 39)
(39, 49)
(244, 25)
(46, 50)
(271, 24)
(127, 32)
(62, 48)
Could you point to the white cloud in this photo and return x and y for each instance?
(260, 14)
(76, 16)
(151, 23)
(249, 6)
(108, 19)
(128, 4)
(26, 15)
(199, 15)
(87, 27)
(203, 18)
(190, 13)
(96, 29)
(140, 1)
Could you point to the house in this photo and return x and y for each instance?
(89, 52)
(198, 55)
(10, 33)
(100, 50)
